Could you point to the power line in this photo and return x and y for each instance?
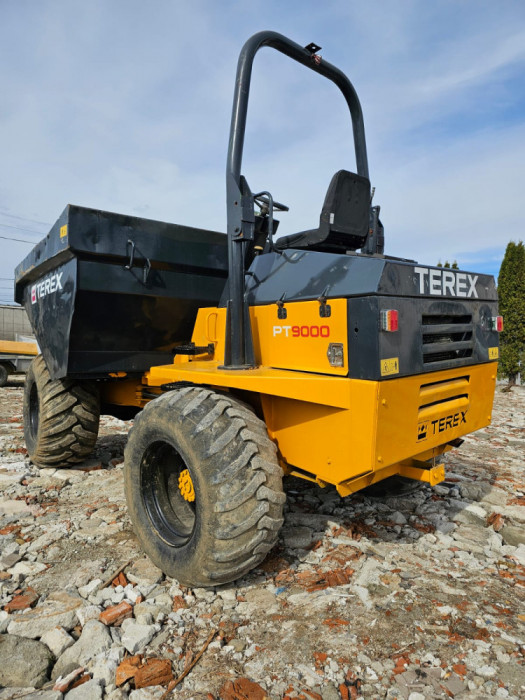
(6, 279)
(19, 228)
(23, 218)
(20, 240)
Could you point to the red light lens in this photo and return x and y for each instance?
(389, 320)
(497, 323)
(394, 324)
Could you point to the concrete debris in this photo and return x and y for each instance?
(94, 640)
(136, 636)
(402, 596)
(91, 690)
(58, 640)
(36, 622)
(23, 662)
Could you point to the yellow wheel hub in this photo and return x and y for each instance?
(186, 486)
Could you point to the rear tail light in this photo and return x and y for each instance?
(389, 320)
(496, 323)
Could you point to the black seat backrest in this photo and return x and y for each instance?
(344, 220)
(346, 210)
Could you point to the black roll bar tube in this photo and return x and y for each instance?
(239, 352)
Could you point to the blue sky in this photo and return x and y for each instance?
(125, 106)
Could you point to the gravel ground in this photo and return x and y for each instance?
(415, 596)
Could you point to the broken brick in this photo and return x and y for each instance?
(496, 520)
(64, 684)
(242, 689)
(8, 529)
(120, 580)
(335, 622)
(312, 581)
(460, 669)
(153, 672)
(127, 669)
(343, 691)
(22, 601)
(80, 681)
(116, 614)
(178, 603)
(320, 657)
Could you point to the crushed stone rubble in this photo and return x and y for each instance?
(408, 596)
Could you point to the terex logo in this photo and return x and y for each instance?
(48, 286)
(439, 425)
(446, 282)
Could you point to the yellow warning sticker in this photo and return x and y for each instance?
(422, 431)
(390, 366)
(493, 353)
(63, 231)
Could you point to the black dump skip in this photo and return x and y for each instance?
(112, 293)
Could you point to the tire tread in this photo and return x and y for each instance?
(69, 415)
(240, 472)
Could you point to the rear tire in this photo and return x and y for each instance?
(236, 513)
(3, 375)
(61, 417)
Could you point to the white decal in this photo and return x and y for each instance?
(277, 330)
(446, 282)
(47, 286)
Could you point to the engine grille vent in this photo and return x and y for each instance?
(446, 338)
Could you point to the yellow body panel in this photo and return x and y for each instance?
(427, 410)
(298, 342)
(301, 340)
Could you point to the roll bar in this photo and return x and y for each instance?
(239, 349)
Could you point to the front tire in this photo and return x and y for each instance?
(61, 417)
(203, 486)
(4, 374)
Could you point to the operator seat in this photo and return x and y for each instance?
(344, 220)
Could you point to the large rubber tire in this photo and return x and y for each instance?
(61, 417)
(3, 375)
(238, 508)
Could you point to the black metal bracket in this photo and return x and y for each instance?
(192, 349)
(130, 251)
(269, 214)
(312, 47)
(325, 310)
(281, 310)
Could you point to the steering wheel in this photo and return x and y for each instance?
(264, 203)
